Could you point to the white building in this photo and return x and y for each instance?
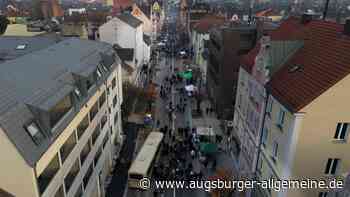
(200, 36)
(126, 32)
(62, 140)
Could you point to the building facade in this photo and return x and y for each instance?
(226, 44)
(304, 124)
(62, 140)
(126, 31)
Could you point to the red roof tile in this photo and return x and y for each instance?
(248, 61)
(208, 22)
(290, 29)
(324, 60)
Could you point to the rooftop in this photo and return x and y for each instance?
(208, 22)
(37, 81)
(321, 63)
(129, 19)
(20, 30)
(15, 46)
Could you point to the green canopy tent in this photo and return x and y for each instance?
(186, 74)
(208, 148)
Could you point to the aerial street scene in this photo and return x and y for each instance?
(174, 98)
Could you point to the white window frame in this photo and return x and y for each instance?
(331, 166)
(281, 118)
(269, 106)
(342, 131)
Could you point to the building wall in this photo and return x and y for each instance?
(317, 136)
(107, 152)
(117, 32)
(198, 40)
(147, 23)
(283, 137)
(15, 172)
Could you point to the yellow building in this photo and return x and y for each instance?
(305, 126)
(60, 120)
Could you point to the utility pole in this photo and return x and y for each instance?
(325, 10)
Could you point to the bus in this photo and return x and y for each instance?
(147, 157)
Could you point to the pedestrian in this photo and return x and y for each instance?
(193, 153)
(207, 110)
(158, 123)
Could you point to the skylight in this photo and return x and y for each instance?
(98, 72)
(34, 132)
(21, 47)
(77, 92)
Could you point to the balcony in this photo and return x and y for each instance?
(103, 121)
(68, 146)
(60, 192)
(93, 111)
(95, 135)
(102, 99)
(85, 152)
(68, 181)
(47, 175)
(83, 125)
(88, 175)
(97, 155)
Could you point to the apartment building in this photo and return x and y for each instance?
(226, 44)
(304, 132)
(200, 38)
(60, 120)
(125, 31)
(256, 69)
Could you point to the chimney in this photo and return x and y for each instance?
(347, 27)
(306, 18)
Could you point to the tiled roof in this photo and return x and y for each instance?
(130, 19)
(290, 29)
(208, 22)
(122, 3)
(247, 61)
(37, 81)
(324, 60)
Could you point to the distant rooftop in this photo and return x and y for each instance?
(12, 47)
(20, 30)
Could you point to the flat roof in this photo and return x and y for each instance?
(20, 30)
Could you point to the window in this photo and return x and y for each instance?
(341, 131)
(114, 83)
(102, 99)
(105, 140)
(332, 166)
(269, 106)
(98, 155)
(275, 150)
(79, 192)
(77, 92)
(69, 179)
(95, 135)
(67, 147)
(60, 192)
(93, 111)
(323, 194)
(21, 47)
(83, 125)
(47, 175)
(280, 119)
(264, 136)
(85, 152)
(103, 121)
(59, 110)
(98, 73)
(88, 175)
(34, 132)
(115, 118)
(90, 82)
(115, 101)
